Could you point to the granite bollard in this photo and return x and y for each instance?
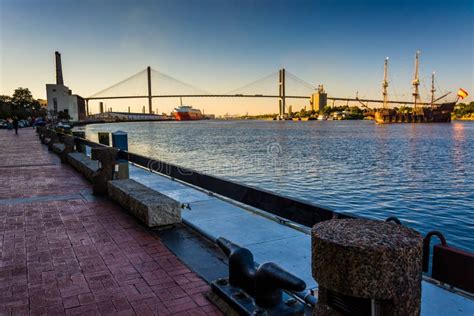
(45, 135)
(52, 138)
(366, 267)
(107, 160)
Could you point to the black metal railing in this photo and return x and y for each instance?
(289, 208)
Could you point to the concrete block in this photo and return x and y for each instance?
(83, 164)
(149, 206)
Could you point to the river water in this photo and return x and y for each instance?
(421, 173)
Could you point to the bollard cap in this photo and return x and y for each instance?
(367, 259)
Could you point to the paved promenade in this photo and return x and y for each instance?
(64, 252)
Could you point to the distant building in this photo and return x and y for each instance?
(126, 116)
(60, 97)
(319, 99)
(43, 103)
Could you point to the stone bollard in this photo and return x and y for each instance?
(69, 143)
(366, 267)
(41, 130)
(44, 134)
(53, 138)
(107, 158)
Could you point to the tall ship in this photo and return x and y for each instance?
(420, 112)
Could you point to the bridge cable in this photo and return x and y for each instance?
(119, 83)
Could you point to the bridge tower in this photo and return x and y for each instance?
(416, 81)
(282, 96)
(150, 104)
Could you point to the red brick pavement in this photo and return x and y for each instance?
(77, 256)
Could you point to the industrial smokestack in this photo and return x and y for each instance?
(59, 69)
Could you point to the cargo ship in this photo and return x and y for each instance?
(187, 113)
(419, 113)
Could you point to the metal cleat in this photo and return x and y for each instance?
(262, 290)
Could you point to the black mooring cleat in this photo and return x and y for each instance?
(252, 290)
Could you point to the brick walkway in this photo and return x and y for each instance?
(62, 252)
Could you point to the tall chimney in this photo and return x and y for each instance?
(59, 69)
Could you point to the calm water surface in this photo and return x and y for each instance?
(421, 173)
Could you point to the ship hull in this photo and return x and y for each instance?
(439, 114)
(187, 116)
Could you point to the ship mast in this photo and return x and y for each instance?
(416, 81)
(433, 90)
(385, 83)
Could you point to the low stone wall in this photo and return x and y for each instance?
(149, 206)
(83, 164)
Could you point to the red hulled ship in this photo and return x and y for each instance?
(187, 113)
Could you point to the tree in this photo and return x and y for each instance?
(464, 110)
(23, 104)
(63, 116)
(5, 106)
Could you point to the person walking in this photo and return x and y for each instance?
(15, 124)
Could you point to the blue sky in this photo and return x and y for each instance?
(219, 45)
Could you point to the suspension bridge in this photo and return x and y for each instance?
(151, 84)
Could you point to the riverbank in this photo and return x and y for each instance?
(465, 118)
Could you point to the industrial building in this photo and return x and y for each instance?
(319, 99)
(60, 97)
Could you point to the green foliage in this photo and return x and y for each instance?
(63, 116)
(350, 112)
(21, 105)
(259, 117)
(5, 106)
(464, 110)
(327, 110)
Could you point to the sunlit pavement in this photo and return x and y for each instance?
(64, 252)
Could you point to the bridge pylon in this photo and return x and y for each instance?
(150, 102)
(282, 95)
